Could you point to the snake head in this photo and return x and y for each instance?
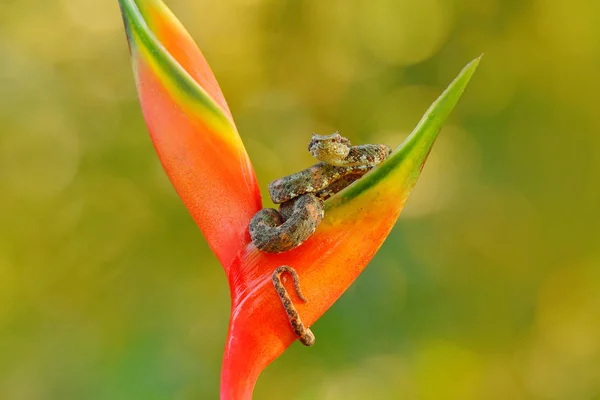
(202, 153)
(329, 148)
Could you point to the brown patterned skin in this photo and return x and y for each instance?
(338, 185)
(301, 196)
(311, 180)
(304, 334)
(298, 194)
(336, 150)
(273, 231)
(337, 160)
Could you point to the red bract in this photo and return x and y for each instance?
(198, 144)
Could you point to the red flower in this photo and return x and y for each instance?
(198, 144)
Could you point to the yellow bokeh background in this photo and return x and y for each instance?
(487, 288)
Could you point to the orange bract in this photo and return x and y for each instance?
(191, 127)
(198, 144)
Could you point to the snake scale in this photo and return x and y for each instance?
(304, 334)
(301, 199)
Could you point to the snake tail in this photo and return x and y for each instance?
(305, 335)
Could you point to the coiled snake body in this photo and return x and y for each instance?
(301, 194)
(300, 197)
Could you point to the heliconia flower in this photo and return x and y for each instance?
(198, 144)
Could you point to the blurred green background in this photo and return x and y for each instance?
(487, 288)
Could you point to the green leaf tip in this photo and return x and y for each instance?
(406, 161)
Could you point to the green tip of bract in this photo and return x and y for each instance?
(402, 169)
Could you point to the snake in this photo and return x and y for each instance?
(301, 197)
